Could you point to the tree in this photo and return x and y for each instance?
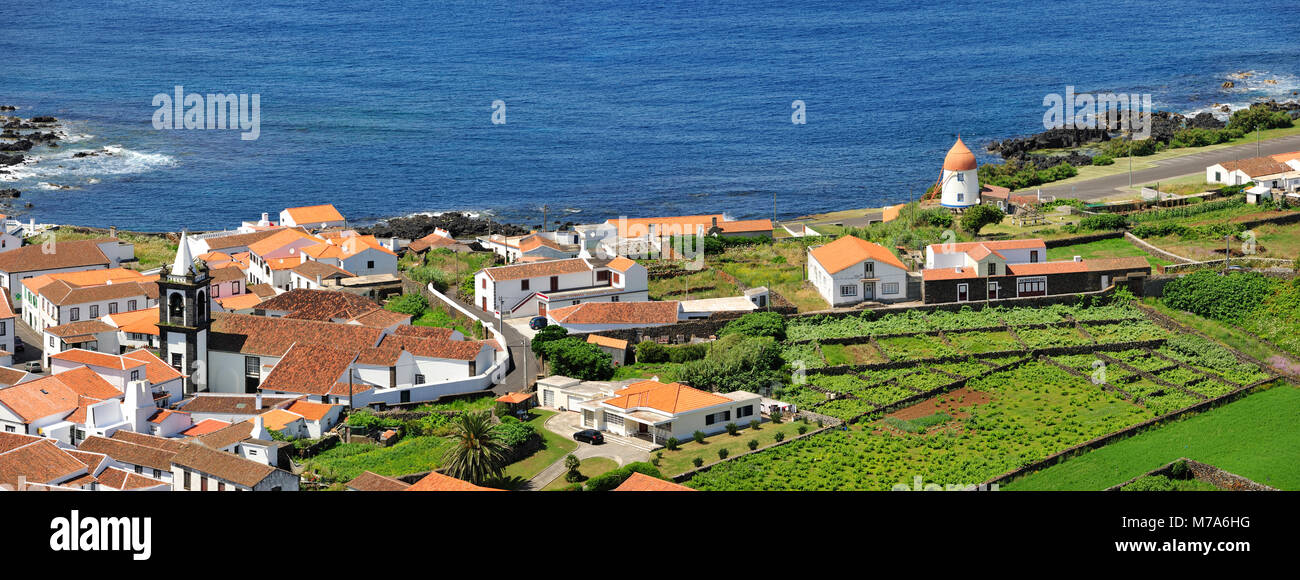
(476, 454)
(978, 216)
(545, 335)
(571, 357)
(571, 463)
(735, 363)
(413, 304)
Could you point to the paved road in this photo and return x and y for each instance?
(31, 343)
(1101, 187)
(520, 351)
(620, 449)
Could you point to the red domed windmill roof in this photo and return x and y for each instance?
(959, 158)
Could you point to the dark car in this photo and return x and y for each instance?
(591, 436)
(537, 323)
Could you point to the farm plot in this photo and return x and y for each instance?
(978, 342)
(1027, 413)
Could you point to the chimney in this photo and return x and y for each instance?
(257, 401)
(1078, 258)
(318, 284)
(112, 231)
(715, 221)
(259, 430)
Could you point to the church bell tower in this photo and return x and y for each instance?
(184, 315)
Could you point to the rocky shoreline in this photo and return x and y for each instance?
(17, 137)
(460, 225)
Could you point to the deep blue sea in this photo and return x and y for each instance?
(612, 108)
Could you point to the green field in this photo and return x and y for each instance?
(1255, 437)
(589, 468)
(700, 285)
(554, 448)
(1114, 248)
(410, 455)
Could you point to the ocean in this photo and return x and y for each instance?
(611, 108)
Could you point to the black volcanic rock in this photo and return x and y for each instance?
(460, 226)
(14, 159)
(44, 119)
(10, 193)
(19, 145)
(1205, 120)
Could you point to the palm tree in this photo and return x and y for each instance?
(476, 455)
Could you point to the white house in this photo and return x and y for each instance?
(998, 252)
(1266, 171)
(650, 410)
(531, 288)
(54, 299)
(851, 270)
(56, 256)
(166, 384)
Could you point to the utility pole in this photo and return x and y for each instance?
(1227, 251)
(1130, 160)
(544, 208)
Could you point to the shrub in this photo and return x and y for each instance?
(699, 436)
(672, 444)
(779, 436)
(545, 336)
(732, 429)
(1103, 160)
(697, 462)
(1179, 470)
(613, 479)
(574, 487)
(572, 357)
(413, 304)
(776, 417)
(979, 216)
(722, 453)
(756, 324)
(754, 424)
(651, 352)
(514, 433)
(1228, 298)
(803, 429)
(1105, 221)
(687, 352)
(753, 444)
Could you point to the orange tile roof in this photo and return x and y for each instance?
(670, 398)
(963, 247)
(278, 240)
(309, 369)
(606, 341)
(743, 226)
(156, 370)
(204, 427)
(1257, 166)
(620, 263)
(850, 250)
(98, 359)
(71, 254)
(514, 398)
(438, 482)
(370, 481)
(434, 347)
(1284, 157)
(278, 419)
(266, 336)
(143, 321)
(311, 411)
(642, 482)
(59, 394)
(240, 302)
(120, 479)
(84, 278)
(665, 312)
(948, 273)
(37, 460)
(314, 214)
(959, 158)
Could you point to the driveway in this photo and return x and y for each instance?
(521, 326)
(32, 343)
(620, 449)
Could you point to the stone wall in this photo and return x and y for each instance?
(1203, 472)
(1070, 241)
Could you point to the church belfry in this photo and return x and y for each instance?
(184, 315)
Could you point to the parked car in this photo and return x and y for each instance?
(32, 366)
(538, 323)
(591, 436)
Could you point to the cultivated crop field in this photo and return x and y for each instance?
(1068, 374)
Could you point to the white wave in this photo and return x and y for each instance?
(110, 160)
(1251, 87)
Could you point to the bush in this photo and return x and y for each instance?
(1103, 160)
(572, 357)
(687, 352)
(1180, 470)
(699, 436)
(545, 336)
(732, 429)
(779, 437)
(776, 417)
(1105, 221)
(754, 424)
(1247, 120)
(803, 429)
(514, 433)
(753, 444)
(651, 352)
(413, 304)
(979, 216)
(672, 444)
(722, 453)
(697, 462)
(735, 363)
(1229, 298)
(756, 324)
(613, 479)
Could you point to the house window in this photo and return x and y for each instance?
(216, 290)
(252, 366)
(370, 264)
(221, 486)
(74, 314)
(9, 429)
(523, 284)
(961, 177)
(889, 288)
(1218, 176)
(3, 329)
(961, 197)
(849, 290)
(130, 304)
(613, 298)
(745, 411)
(112, 308)
(94, 311)
(135, 375)
(1033, 256)
(234, 287)
(1031, 286)
(177, 361)
(483, 283)
(419, 379)
(613, 277)
(602, 275)
(869, 268)
(613, 419)
(993, 269)
(717, 417)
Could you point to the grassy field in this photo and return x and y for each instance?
(445, 268)
(440, 316)
(410, 455)
(589, 468)
(681, 460)
(697, 286)
(150, 251)
(1254, 437)
(554, 449)
(780, 266)
(1271, 241)
(667, 372)
(1115, 248)
(1051, 229)
(1237, 338)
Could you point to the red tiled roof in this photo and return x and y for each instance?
(114, 478)
(617, 313)
(57, 394)
(96, 359)
(370, 481)
(36, 460)
(204, 427)
(319, 304)
(69, 254)
(668, 398)
(266, 336)
(434, 347)
(642, 482)
(156, 370)
(311, 411)
(221, 465)
(1257, 166)
(314, 214)
(538, 269)
(309, 369)
(745, 226)
(438, 482)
